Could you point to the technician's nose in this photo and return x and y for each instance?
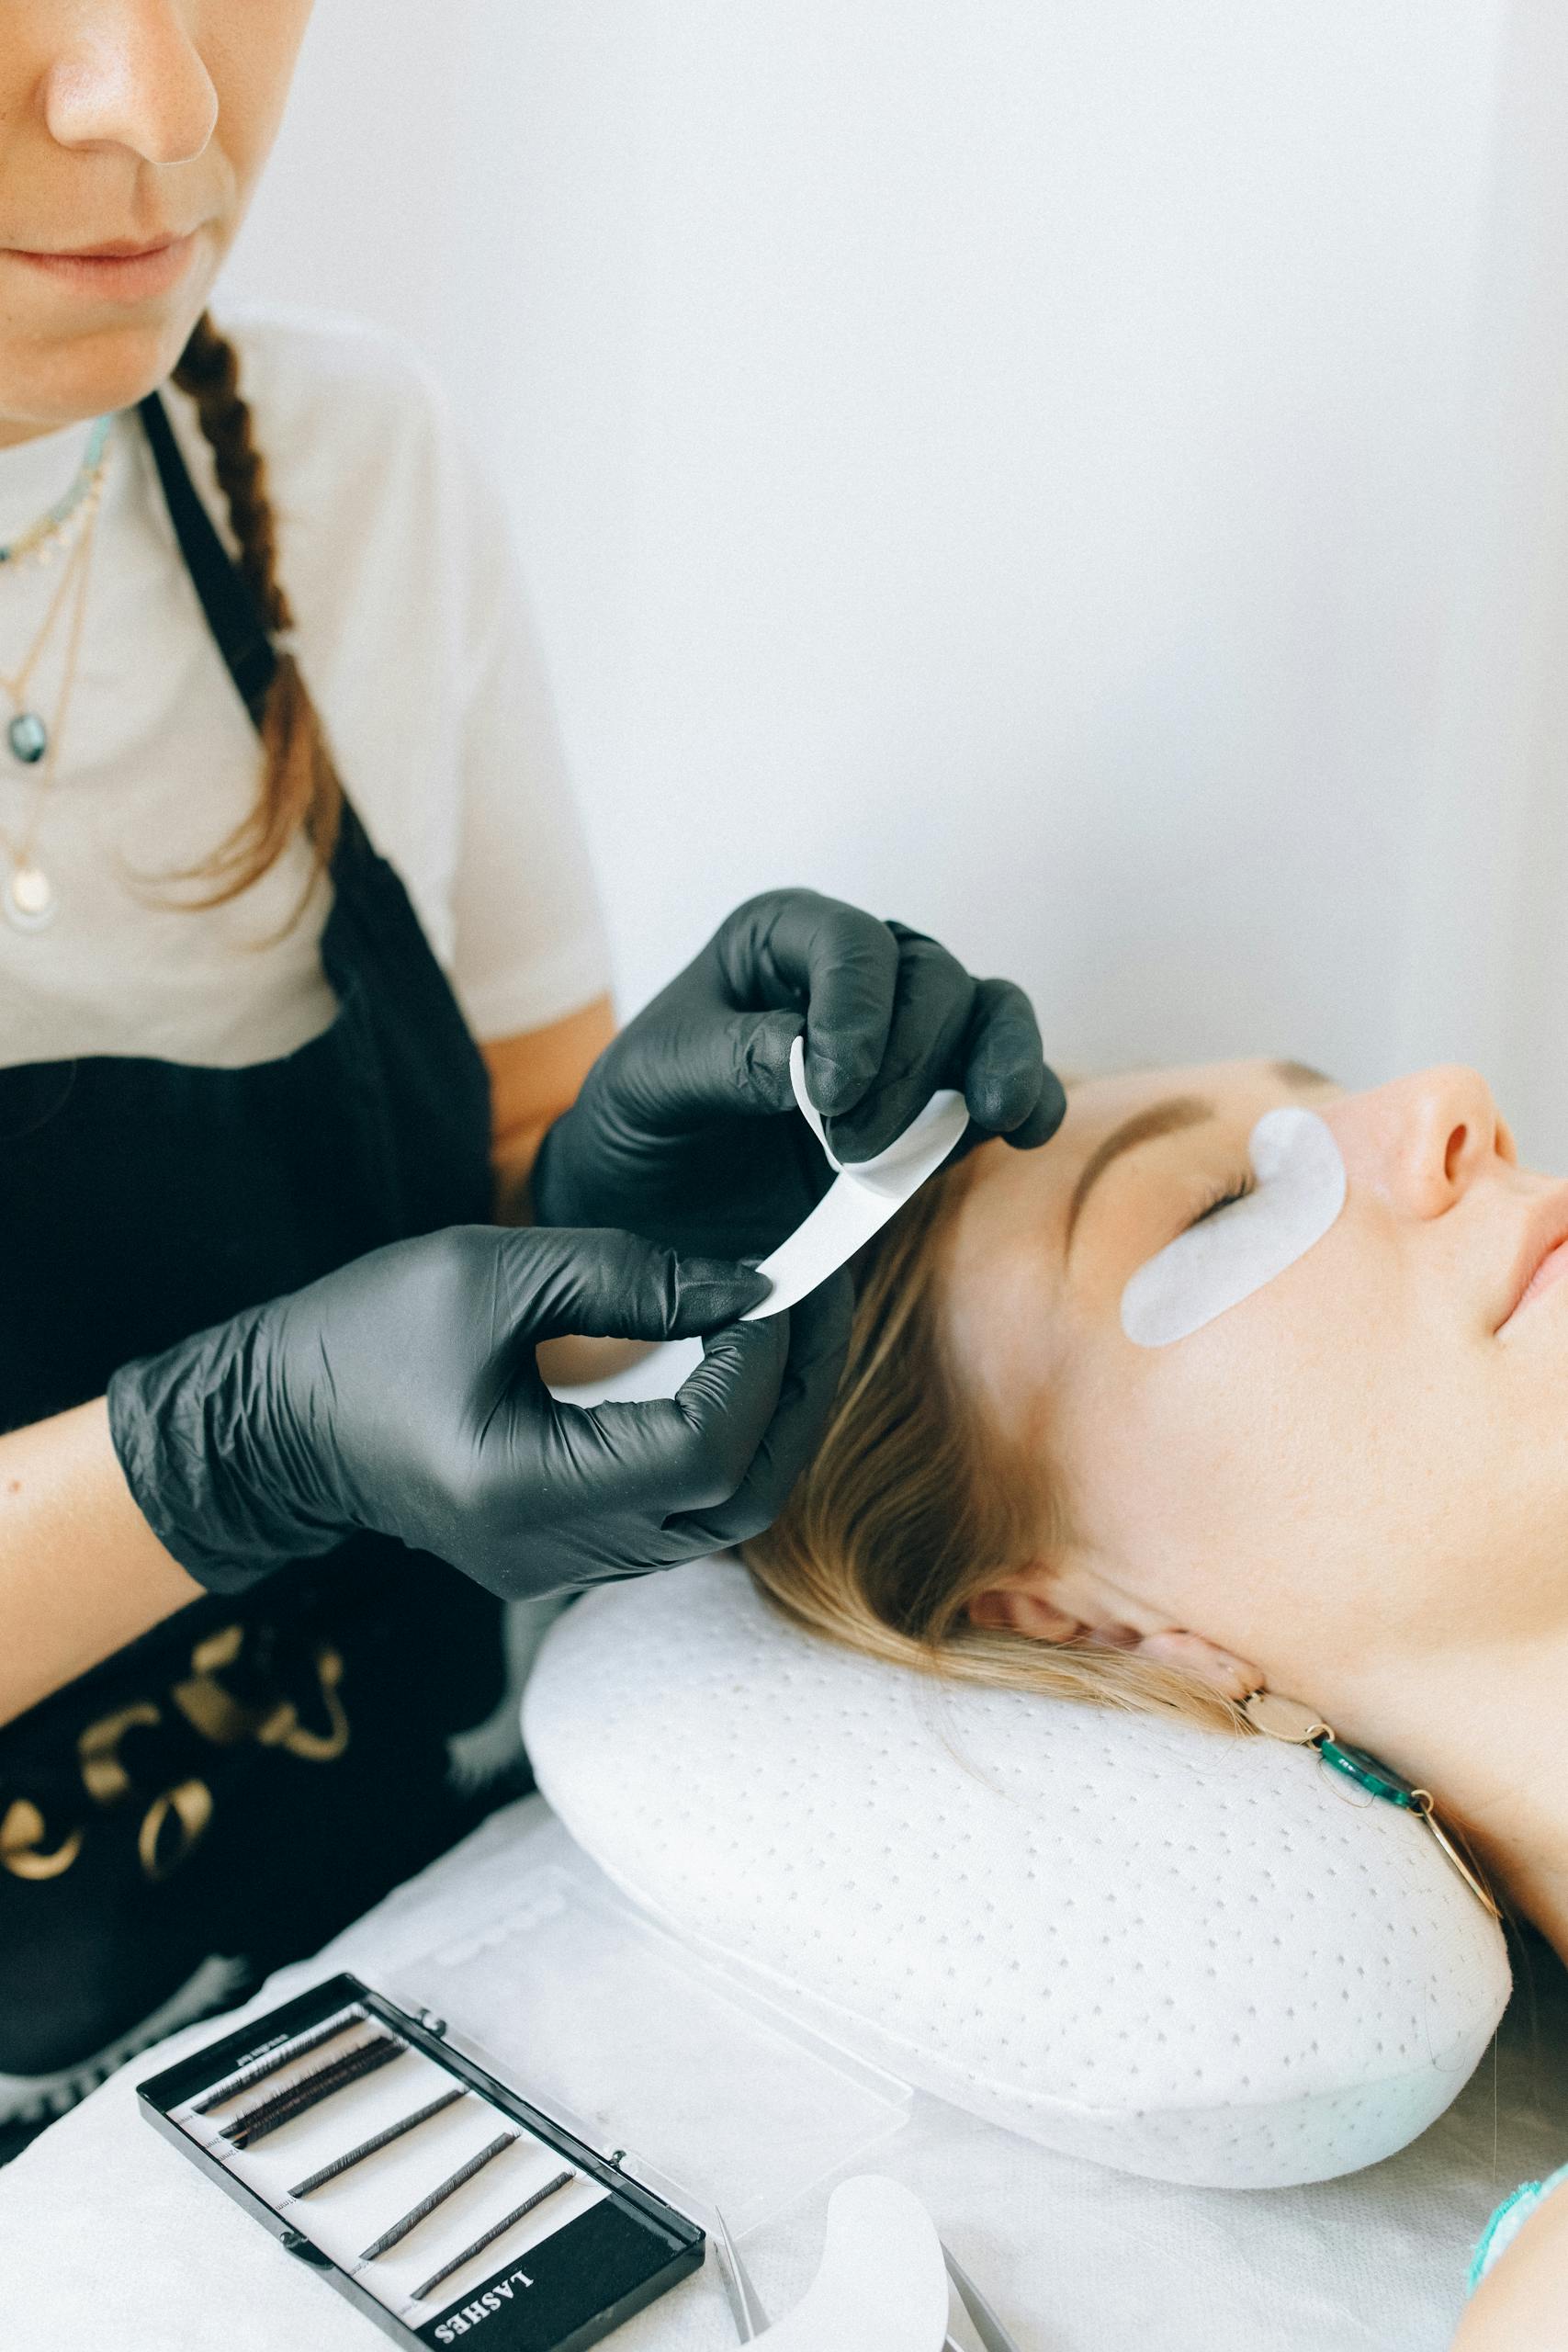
(1420, 1142)
(132, 77)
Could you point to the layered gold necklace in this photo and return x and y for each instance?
(28, 899)
(42, 540)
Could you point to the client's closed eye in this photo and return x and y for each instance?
(1237, 1191)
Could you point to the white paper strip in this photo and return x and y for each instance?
(861, 1199)
(857, 1204)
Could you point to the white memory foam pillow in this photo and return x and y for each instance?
(1184, 1955)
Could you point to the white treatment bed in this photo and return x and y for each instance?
(108, 2240)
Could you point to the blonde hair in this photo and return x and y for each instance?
(912, 1506)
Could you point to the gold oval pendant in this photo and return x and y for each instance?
(1286, 1719)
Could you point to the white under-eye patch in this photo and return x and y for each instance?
(1300, 1191)
(881, 2285)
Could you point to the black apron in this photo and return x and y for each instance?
(231, 1788)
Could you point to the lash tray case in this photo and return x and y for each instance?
(440, 2202)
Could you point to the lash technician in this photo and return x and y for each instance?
(280, 1026)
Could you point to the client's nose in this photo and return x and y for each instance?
(1421, 1141)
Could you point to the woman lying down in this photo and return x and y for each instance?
(1244, 1383)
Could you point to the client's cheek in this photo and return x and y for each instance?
(1270, 1499)
(1197, 1453)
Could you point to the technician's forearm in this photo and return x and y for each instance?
(81, 1572)
(1520, 2305)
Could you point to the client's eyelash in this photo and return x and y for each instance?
(1238, 1192)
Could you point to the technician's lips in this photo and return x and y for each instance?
(108, 275)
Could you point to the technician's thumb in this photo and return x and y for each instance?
(728, 1402)
(598, 1283)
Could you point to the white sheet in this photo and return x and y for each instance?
(108, 2240)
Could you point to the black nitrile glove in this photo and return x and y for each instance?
(400, 1395)
(686, 1128)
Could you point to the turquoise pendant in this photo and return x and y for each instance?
(27, 736)
(1286, 1719)
(1369, 1773)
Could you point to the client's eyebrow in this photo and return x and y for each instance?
(1166, 1118)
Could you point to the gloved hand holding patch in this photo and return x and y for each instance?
(401, 1395)
(685, 1129)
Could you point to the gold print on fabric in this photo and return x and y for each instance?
(189, 1805)
(107, 1782)
(21, 1843)
(215, 1712)
(104, 1777)
(321, 1748)
(175, 1821)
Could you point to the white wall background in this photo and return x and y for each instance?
(1088, 476)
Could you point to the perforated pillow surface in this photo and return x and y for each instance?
(1173, 1951)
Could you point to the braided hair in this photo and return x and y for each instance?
(300, 790)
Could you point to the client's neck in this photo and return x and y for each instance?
(1487, 1733)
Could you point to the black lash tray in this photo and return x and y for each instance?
(565, 2276)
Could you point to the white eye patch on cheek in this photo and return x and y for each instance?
(1300, 1191)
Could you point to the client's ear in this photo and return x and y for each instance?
(1013, 1608)
(1045, 1601)
(1195, 1654)
(1075, 1606)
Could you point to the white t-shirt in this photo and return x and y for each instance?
(415, 640)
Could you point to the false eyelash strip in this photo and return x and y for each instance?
(427, 2205)
(271, 2114)
(284, 2057)
(562, 2180)
(304, 2091)
(379, 2140)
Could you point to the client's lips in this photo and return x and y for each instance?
(1542, 1256)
